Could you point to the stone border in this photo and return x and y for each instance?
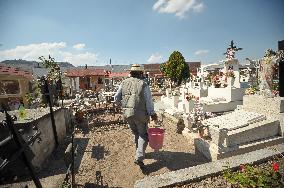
(203, 171)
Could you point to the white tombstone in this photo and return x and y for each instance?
(189, 105)
(201, 84)
(168, 93)
(233, 64)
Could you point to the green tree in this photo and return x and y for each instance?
(175, 68)
(53, 68)
(53, 76)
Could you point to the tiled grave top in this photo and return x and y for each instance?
(265, 105)
(210, 100)
(234, 120)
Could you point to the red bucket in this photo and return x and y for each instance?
(156, 138)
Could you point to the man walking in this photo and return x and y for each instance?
(137, 105)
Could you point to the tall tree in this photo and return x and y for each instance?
(175, 68)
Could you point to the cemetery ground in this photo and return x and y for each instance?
(106, 154)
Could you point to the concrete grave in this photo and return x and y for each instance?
(258, 124)
(40, 151)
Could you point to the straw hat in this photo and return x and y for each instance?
(136, 67)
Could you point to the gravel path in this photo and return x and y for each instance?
(106, 155)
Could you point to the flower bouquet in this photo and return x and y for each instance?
(250, 91)
(230, 73)
(216, 81)
(189, 97)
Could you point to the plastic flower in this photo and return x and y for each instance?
(250, 91)
(275, 92)
(275, 167)
(189, 97)
(242, 168)
(230, 73)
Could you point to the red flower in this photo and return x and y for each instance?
(242, 168)
(275, 167)
(187, 98)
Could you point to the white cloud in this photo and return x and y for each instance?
(201, 52)
(57, 50)
(32, 51)
(178, 7)
(79, 46)
(155, 58)
(80, 59)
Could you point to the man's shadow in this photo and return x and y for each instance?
(172, 161)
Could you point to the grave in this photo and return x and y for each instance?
(38, 121)
(224, 99)
(170, 101)
(257, 124)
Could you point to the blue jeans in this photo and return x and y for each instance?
(139, 127)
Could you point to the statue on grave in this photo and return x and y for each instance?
(230, 54)
(268, 69)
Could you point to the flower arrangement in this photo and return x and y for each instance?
(275, 93)
(197, 115)
(208, 77)
(216, 80)
(230, 73)
(275, 89)
(250, 91)
(189, 97)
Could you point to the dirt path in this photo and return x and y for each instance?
(106, 155)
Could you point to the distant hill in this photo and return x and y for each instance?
(29, 65)
(112, 68)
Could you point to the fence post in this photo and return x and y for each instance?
(48, 94)
(20, 147)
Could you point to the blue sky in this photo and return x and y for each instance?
(134, 31)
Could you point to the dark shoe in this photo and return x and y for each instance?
(139, 163)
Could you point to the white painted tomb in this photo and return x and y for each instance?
(170, 101)
(257, 124)
(226, 98)
(213, 99)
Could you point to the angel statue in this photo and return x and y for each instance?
(268, 67)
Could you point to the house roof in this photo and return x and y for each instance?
(40, 71)
(81, 72)
(118, 74)
(112, 68)
(12, 71)
(152, 67)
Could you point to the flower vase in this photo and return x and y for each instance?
(230, 81)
